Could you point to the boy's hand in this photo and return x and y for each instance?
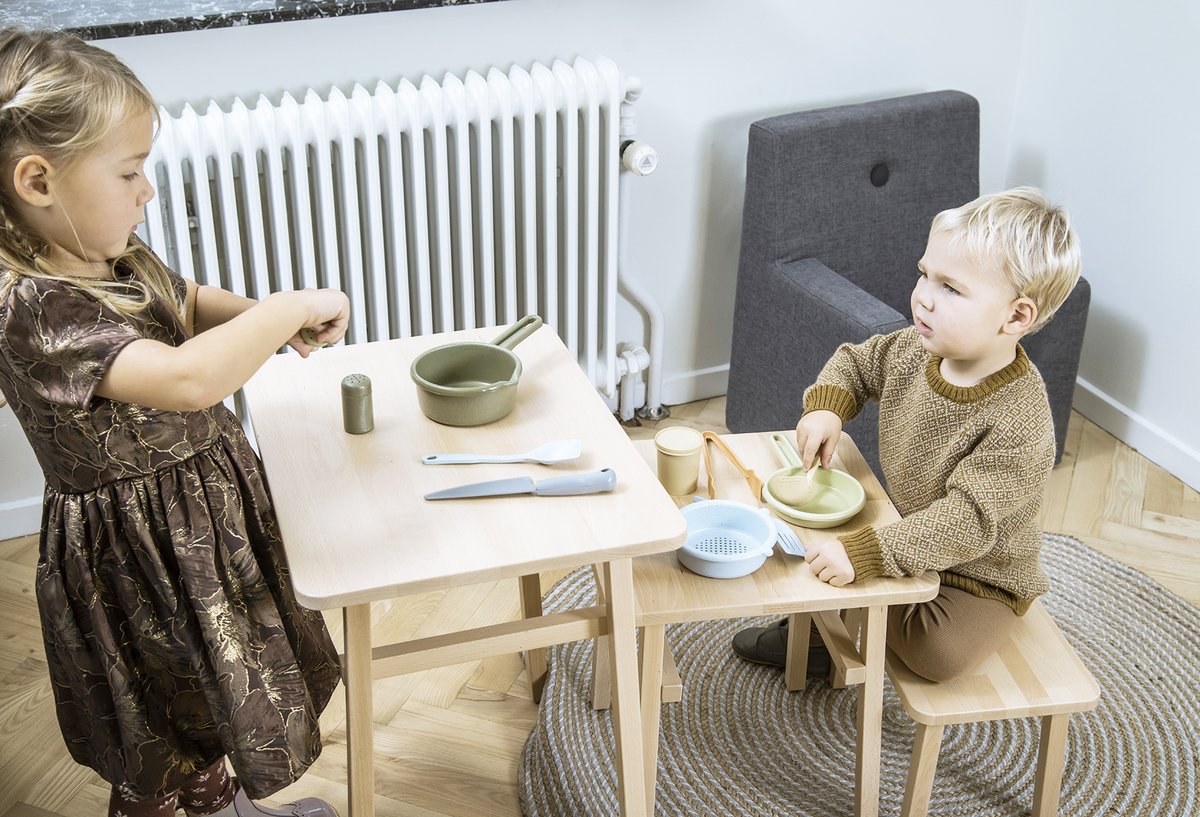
(828, 561)
(817, 436)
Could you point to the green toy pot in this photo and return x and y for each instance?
(472, 384)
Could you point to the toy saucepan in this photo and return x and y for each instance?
(469, 383)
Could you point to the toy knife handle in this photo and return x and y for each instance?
(596, 482)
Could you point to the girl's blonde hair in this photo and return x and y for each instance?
(1027, 236)
(59, 98)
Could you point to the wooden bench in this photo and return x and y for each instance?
(1035, 673)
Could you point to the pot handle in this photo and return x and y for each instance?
(785, 452)
(518, 331)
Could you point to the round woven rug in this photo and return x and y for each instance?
(740, 744)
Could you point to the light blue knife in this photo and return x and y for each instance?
(595, 482)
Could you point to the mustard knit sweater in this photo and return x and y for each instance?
(966, 467)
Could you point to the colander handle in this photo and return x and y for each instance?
(769, 546)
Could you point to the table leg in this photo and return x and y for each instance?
(622, 647)
(795, 666)
(360, 727)
(535, 660)
(650, 675)
(870, 713)
(601, 668)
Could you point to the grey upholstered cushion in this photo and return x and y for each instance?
(1055, 350)
(809, 174)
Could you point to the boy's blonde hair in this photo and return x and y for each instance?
(59, 98)
(1030, 239)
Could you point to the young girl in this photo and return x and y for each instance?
(172, 635)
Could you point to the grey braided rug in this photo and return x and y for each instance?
(740, 744)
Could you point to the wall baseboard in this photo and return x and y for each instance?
(1152, 442)
(21, 517)
(698, 384)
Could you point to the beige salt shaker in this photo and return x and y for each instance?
(678, 459)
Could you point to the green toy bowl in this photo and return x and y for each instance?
(837, 499)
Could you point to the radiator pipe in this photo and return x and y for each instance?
(642, 159)
(631, 363)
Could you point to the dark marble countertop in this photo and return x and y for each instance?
(107, 19)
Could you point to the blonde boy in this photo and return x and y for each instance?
(966, 439)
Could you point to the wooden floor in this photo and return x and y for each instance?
(448, 741)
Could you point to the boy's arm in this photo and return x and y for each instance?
(854, 374)
(991, 491)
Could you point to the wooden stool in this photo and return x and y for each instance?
(1035, 672)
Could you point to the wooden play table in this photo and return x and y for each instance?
(356, 529)
(667, 593)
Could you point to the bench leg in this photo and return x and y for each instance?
(921, 768)
(1047, 781)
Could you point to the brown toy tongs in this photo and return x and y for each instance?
(752, 479)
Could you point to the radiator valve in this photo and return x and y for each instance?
(639, 158)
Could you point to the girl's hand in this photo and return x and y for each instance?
(817, 436)
(828, 561)
(329, 314)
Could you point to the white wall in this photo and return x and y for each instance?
(1107, 120)
(709, 67)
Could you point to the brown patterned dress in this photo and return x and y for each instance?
(171, 630)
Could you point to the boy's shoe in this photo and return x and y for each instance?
(768, 645)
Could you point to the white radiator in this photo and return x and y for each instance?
(445, 205)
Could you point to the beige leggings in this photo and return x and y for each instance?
(950, 634)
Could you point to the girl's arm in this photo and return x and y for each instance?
(209, 307)
(215, 363)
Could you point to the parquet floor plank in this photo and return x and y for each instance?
(1087, 500)
(1172, 525)
(25, 810)
(1164, 493)
(22, 550)
(493, 678)
(1126, 491)
(1191, 503)
(1058, 490)
(30, 744)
